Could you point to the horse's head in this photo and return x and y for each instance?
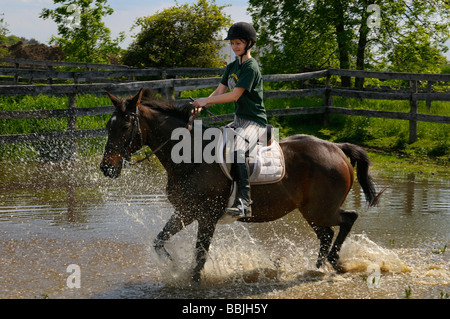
(124, 136)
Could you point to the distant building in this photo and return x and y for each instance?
(226, 53)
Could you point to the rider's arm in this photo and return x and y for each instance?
(221, 89)
(232, 96)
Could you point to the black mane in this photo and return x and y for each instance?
(150, 100)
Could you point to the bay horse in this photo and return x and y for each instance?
(318, 177)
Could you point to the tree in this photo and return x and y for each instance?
(413, 34)
(3, 28)
(292, 35)
(416, 53)
(82, 35)
(182, 35)
(3, 32)
(336, 33)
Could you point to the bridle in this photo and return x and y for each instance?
(125, 151)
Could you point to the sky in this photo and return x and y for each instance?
(22, 16)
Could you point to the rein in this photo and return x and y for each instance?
(124, 151)
(147, 157)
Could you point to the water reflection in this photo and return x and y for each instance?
(413, 207)
(69, 193)
(66, 193)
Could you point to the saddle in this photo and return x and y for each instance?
(266, 162)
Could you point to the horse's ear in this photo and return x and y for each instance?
(136, 100)
(116, 102)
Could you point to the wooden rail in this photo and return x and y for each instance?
(168, 86)
(93, 72)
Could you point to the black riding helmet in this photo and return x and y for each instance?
(242, 30)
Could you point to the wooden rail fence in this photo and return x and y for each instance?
(170, 83)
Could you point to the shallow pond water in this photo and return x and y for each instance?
(53, 215)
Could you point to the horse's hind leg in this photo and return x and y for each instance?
(325, 236)
(348, 218)
(175, 224)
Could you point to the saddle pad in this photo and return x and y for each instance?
(265, 168)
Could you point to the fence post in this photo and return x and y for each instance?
(50, 80)
(164, 90)
(167, 92)
(72, 146)
(413, 113)
(327, 101)
(16, 77)
(429, 90)
(171, 91)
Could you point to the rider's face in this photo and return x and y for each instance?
(238, 46)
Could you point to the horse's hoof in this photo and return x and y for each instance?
(337, 266)
(320, 262)
(196, 278)
(160, 250)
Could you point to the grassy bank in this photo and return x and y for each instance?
(388, 164)
(381, 135)
(386, 135)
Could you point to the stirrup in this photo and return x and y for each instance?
(237, 212)
(242, 208)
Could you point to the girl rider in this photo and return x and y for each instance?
(244, 80)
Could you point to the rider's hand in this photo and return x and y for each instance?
(199, 104)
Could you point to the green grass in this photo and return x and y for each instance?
(386, 135)
(49, 150)
(381, 135)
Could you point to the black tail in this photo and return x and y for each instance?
(360, 158)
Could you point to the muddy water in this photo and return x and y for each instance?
(56, 215)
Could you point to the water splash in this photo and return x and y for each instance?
(359, 252)
(235, 257)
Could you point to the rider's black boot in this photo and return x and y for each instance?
(241, 206)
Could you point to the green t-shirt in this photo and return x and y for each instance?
(250, 105)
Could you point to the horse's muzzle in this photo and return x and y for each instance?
(110, 170)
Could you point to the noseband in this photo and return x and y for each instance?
(125, 151)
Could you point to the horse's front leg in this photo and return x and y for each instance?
(175, 224)
(205, 233)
